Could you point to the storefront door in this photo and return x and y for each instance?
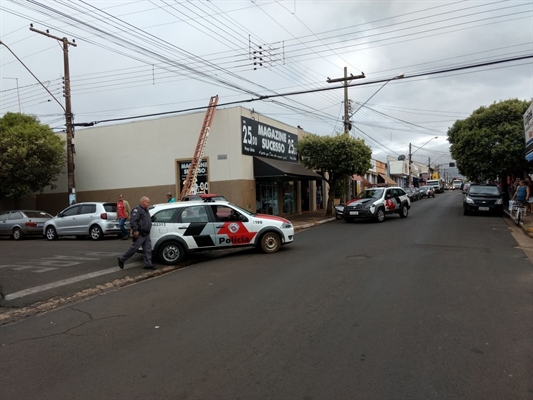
(267, 197)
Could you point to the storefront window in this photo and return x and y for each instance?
(267, 197)
(289, 198)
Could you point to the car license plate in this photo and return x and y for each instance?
(40, 225)
(354, 212)
(483, 209)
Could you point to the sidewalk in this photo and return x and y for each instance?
(526, 223)
(308, 219)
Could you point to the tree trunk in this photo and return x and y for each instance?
(331, 197)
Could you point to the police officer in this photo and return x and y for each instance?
(141, 224)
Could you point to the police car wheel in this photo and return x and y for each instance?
(380, 215)
(270, 242)
(404, 211)
(170, 253)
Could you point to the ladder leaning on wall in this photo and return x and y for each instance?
(200, 147)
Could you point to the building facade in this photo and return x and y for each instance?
(249, 158)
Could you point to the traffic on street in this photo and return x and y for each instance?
(436, 305)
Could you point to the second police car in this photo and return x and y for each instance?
(376, 203)
(182, 227)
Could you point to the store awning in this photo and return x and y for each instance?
(267, 168)
(360, 178)
(388, 180)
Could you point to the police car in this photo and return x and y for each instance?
(179, 228)
(376, 203)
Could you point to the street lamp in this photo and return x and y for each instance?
(18, 94)
(411, 154)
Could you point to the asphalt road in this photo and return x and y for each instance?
(434, 306)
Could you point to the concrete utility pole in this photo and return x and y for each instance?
(410, 161)
(68, 114)
(347, 124)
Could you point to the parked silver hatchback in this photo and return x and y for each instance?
(93, 218)
(19, 223)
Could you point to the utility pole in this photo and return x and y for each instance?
(410, 161)
(429, 168)
(68, 114)
(347, 123)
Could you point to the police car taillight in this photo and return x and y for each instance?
(103, 215)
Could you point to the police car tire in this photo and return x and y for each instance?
(380, 214)
(270, 242)
(404, 212)
(170, 253)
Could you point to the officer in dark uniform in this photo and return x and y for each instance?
(141, 224)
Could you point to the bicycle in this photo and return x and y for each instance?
(517, 212)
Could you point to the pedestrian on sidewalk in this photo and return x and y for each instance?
(123, 215)
(170, 198)
(141, 224)
(529, 198)
(521, 194)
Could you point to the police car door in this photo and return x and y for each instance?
(196, 227)
(233, 227)
(391, 202)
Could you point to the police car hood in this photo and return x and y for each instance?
(272, 217)
(354, 202)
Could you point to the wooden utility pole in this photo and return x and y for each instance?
(347, 124)
(68, 114)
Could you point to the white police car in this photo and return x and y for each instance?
(376, 203)
(178, 228)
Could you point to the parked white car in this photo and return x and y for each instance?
(179, 228)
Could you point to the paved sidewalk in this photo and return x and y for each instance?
(308, 219)
(526, 223)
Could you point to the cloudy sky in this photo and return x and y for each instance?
(142, 57)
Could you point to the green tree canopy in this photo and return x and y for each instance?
(490, 142)
(334, 157)
(31, 156)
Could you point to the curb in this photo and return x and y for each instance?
(311, 224)
(527, 231)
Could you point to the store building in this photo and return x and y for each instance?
(249, 158)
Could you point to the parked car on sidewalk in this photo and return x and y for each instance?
(20, 223)
(427, 191)
(376, 203)
(183, 227)
(92, 218)
(483, 198)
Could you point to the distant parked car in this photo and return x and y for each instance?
(19, 223)
(94, 219)
(427, 191)
(413, 196)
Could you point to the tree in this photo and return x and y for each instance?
(334, 157)
(31, 156)
(490, 142)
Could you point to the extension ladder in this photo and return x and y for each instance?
(200, 147)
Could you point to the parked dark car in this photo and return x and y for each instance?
(413, 196)
(427, 191)
(19, 223)
(483, 198)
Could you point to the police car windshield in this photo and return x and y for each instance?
(242, 210)
(371, 194)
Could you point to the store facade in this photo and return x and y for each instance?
(249, 158)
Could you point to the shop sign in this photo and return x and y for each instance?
(263, 140)
(201, 184)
